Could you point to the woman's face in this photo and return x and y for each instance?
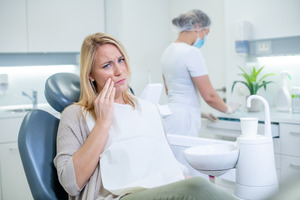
(110, 63)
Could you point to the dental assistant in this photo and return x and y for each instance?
(185, 73)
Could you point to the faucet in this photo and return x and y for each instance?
(268, 132)
(33, 98)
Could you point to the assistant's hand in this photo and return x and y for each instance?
(104, 104)
(211, 117)
(232, 107)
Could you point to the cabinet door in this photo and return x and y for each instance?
(10, 129)
(13, 31)
(13, 179)
(290, 169)
(290, 139)
(61, 26)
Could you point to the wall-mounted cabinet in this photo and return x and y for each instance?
(48, 26)
(13, 34)
(275, 46)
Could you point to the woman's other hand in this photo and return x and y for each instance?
(211, 117)
(104, 104)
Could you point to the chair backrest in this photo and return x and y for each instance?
(37, 138)
(61, 90)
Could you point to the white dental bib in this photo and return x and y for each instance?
(137, 154)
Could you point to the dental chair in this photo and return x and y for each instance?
(37, 137)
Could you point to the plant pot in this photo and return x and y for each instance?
(255, 105)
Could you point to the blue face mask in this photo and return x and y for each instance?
(199, 42)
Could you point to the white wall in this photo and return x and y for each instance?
(147, 35)
(144, 27)
(141, 25)
(270, 19)
(26, 79)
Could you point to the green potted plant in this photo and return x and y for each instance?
(253, 83)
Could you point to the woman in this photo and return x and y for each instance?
(185, 73)
(111, 145)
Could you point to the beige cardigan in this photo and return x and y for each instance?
(72, 133)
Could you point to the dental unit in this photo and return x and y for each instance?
(252, 155)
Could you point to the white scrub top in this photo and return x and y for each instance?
(179, 63)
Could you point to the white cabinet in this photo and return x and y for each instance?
(13, 181)
(290, 151)
(48, 26)
(13, 31)
(10, 129)
(290, 139)
(61, 26)
(290, 167)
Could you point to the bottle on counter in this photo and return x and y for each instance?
(283, 95)
(295, 94)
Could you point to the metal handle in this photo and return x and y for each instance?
(294, 166)
(295, 133)
(13, 149)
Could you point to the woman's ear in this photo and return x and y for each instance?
(91, 78)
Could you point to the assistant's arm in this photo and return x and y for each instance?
(208, 93)
(166, 87)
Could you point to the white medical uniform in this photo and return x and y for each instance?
(180, 62)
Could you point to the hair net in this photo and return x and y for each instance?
(192, 20)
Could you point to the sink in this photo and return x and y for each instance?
(19, 110)
(213, 159)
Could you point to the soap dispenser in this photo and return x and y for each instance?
(283, 95)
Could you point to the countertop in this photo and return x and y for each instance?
(275, 116)
(9, 111)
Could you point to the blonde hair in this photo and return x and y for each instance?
(88, 88)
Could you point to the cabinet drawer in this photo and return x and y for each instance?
(10, 129)
(276, 143)
(290, 168)
(290, 139)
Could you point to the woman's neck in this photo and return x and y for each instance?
(187, 37)
(119, 99)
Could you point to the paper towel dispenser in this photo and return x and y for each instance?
(275, 46)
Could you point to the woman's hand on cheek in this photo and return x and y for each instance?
(104, 104)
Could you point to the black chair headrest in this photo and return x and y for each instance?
(62, 90)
